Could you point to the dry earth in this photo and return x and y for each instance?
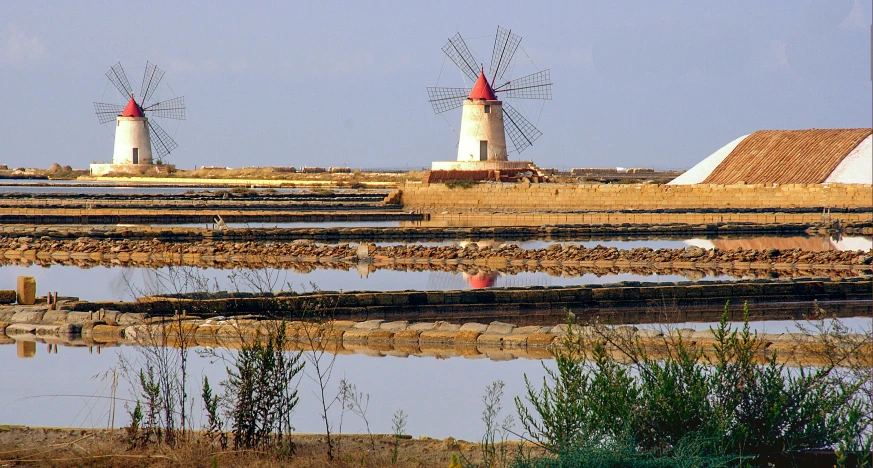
(61, 447)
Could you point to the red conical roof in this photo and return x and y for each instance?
(482, 90)
(132, 109)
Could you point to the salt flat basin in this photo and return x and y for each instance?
(124, 283)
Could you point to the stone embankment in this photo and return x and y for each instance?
(435, 233)
(471, 253)
(566, 259)
(201, 215)
(401, 338)
(521, 197)
(14, 203)
(625, 302)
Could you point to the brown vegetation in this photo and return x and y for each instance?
(59, 447)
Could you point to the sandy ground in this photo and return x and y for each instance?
(61, 447)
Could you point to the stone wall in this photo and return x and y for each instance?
(610, 197)
(626, 302)
(399, 338)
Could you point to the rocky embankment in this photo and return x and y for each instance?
(471, 251)
(567, 259)
(400, 338)
(406, 233)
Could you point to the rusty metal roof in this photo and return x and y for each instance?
(787, 156)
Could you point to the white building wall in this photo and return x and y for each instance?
(132, 132)
(856, 167)
(477, 126)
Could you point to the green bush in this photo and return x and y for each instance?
(261, 394)
(608, 403)
(460, 183)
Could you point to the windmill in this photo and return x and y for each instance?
(137, 134)
(486, 120)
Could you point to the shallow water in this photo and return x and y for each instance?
(105, 283)
(442, 397)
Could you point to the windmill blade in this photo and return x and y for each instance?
(107, 112)
(457, 50)
(117, 76)
(162, 143)
(170, 109)
(534, 86)
(520, 130)
(505, 45)
(151, 78)
(446, 99)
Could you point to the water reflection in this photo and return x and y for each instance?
(126, 283)
(441, 396)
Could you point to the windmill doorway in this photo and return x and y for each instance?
(483, 150)
(136, 155)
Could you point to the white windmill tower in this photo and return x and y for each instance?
(137, 135)
(485, 119)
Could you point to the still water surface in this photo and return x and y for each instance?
(442, 397)
(105, 283)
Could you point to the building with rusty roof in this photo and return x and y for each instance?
(815, 156)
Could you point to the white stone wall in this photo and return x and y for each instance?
(132, 132)
(477, 126)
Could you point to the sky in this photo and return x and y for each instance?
(655, 83)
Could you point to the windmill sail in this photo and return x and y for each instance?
(534, 86)
(170, 109)
(151, 78)
(446, 99)
(117, 76)
(107, 112)
(505, 45)
(162, 143)
(457, 50)
(520, 130)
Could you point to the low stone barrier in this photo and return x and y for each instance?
(523, 197)
(626, 302)
(567, 259)
(451, 231)
(497, 340)
(202, 216)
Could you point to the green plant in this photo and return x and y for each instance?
(214, 424)
(460, 183)
(132, 431)
(398, 427)
(609, 403)
(261, 394)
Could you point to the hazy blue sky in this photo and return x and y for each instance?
(644, 83)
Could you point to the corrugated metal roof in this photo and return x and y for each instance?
(787, 156)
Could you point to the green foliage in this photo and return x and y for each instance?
(132, 431)
(261, 394)
(151, 393)
(460, 183)
(607, 403)
(214, 423)
(398, 427)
